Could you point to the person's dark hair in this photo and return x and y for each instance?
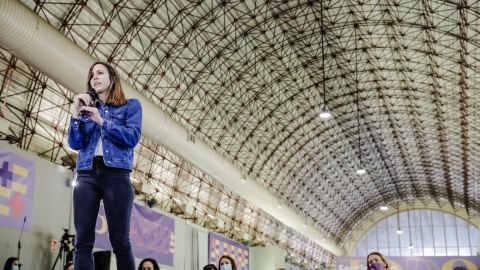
(9, 262)
(232, 261)
(116, 96)
(68, 264)
(155, 264)
(210, 267)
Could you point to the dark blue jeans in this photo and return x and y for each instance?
(112, 185)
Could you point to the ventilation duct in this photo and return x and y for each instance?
(27, 36)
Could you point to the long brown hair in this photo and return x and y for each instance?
(116, 96)
(232, 261)
(381, 257)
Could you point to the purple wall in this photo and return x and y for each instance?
(412, 263)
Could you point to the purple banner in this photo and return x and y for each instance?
(412, 263)
(220, 245)
(152, 234)
(17, 176)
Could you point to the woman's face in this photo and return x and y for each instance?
(100, 79)
(374, 259)
(147, 266)
(224, 261)
(15, 263)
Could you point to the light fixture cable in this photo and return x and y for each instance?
(360, 170)
(399, 231)
(380, 118)
(325, 113)
(409, 229)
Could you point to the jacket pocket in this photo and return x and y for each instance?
(118, 116)
(119, 154)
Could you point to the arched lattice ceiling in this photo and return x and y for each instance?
(250, 77)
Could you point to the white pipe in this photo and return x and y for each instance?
(27, 36)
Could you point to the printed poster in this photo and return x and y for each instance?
(17, 176)
(152, 235)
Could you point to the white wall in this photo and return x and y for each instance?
(267, 258)
(196, 247)
(51, 212)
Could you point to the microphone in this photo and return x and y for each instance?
(19, 245)
(93, 96)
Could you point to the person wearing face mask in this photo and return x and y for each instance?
(376, 261)
(105, 127)
(227, 263)
(11, 264)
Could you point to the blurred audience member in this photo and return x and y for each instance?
(68, 266)
(227, 263)
(148, 264)
(376, 261)
(11, 264)
(210, 267)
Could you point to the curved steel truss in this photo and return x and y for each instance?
(250, 77)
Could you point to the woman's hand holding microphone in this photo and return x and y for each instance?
(80, 107)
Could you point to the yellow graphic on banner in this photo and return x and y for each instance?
(449, 265)
(20, 170)
(354, 263)
(215, 251)
(5, 192)
(237, 253)
(243, 261)
(19, 187)
(172, 242)
(394, 265)
(4, 210)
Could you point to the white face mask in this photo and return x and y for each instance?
(15, 267)
(226, 267)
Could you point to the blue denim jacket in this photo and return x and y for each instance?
(121, 131)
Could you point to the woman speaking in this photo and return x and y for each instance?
(105, 127)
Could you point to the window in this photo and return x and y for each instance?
(432, 233)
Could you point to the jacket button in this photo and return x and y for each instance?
(106, 151)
